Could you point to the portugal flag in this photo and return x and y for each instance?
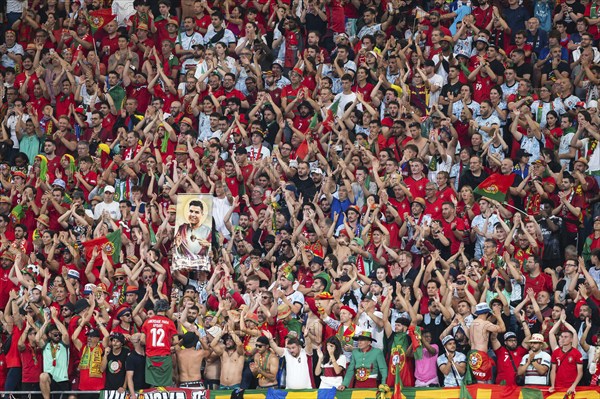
(110, 244)
(495, 187)
(98, 18)
(400, 365)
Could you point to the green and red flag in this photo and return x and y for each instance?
(99, 18)
(495, 187)
(110, 244)
(414, 332)
(400, 365)
(331, 112)
(397, 394)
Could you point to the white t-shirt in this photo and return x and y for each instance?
(187, 41)
(123, 9)
(540, 109)
(479, 221)
(564, 148)
(11, 122)
(453, 378)
(435, 80)
(594, 158)
(367, 324)
(112, 208)
(228, 36)
(531, 375)
(458, 107)
(333, 382)
(16, 49)
(297, 374)
(343, 99)
(219, 210)
(487, 122)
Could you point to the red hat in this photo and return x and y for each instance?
(324, 296)
(131, 289)
(102, 287)
(80, 110)
(350, 310)
(298, 71)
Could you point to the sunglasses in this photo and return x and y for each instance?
(119, 278)
(127, 314)
(259, 346)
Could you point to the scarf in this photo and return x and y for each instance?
(91, 359)
(345, 336)
(591, 147)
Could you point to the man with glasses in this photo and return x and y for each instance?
(265, 364)
(54, 341)
(228, 90)
(508, 357)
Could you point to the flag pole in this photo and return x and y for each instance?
(515, 208)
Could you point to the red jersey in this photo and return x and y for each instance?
(90, 178)
(566, 366)
(506, 371)
(38, 105)
(365, 91)
(202, 23)
(159, 330)
(13, 357)
(20, 81)
(416, 187)
(32, 363)
(459, 225)
(6, 285)
(482, 88)
(543, 282)
(434, 208)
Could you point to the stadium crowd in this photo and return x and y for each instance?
(356, 154)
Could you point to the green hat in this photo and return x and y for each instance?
(365, 335)
(290, 277)
(359, 241)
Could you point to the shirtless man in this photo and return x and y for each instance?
(212, 366)
(479, 335)
(188, 361)
(231, 352)
(265, 364)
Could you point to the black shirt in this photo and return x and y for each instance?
(450, 88)
(525, 69)
(115, 370)
(137, 363)
(305, 187)
(563, 66)
(577, 7)
(468, 179)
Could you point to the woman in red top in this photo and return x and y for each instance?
(552, 132)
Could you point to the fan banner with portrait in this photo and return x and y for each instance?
(193, 232)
